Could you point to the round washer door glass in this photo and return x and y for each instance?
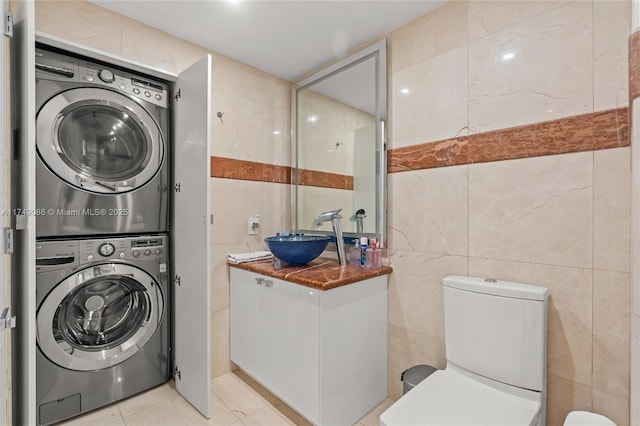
(99, 317)
(99, 140)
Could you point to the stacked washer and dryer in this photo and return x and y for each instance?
(102, 177)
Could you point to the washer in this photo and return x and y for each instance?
(102, 322)
(101, 139)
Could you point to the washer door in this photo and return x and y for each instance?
(99, 316)
(99, 140)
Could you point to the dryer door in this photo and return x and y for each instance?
(99, 140)
(99, 316)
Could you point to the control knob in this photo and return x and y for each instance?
(106, 249)
(147, 252)
(136, 254)
(106, 76)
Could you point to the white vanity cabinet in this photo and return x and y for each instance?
(323, 352)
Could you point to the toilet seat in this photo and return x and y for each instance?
(585, 418)
(448, 397)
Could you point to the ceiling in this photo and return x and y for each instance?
(285, 38)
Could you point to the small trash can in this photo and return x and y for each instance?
(414, 375)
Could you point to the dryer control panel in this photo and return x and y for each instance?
(59, 67)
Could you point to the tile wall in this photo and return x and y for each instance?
(254, 103)
(473, 70)
(561, 221)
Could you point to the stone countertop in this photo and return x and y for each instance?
(320, 273)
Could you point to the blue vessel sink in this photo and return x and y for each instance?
(297, 249)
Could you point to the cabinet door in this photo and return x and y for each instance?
(292, 344)
(24, 198)
(248, 323)
(191, 234)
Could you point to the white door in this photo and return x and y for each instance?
(190, 234)
(24, 199)
(5, 222)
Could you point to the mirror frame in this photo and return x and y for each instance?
(378, 51)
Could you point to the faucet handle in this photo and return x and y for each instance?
(329, 214)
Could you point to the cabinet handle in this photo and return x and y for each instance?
(259, 280)
(268, 283)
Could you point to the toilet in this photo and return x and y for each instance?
(586, 418)
(496, 348)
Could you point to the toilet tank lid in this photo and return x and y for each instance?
(497, 287)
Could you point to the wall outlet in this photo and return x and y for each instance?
(254, 225)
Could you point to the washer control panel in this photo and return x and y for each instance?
(147, 248)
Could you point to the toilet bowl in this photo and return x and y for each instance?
(496, 349)
(453, 397)
(585, 418)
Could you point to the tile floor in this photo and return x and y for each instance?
(236, 400)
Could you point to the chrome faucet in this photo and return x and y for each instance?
(359, 216)
(334, 217)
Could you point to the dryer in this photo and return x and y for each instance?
(102, 322)
(102, 149)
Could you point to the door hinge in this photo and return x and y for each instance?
(177, 280)
(178, 94)
(8, 240)
(8, 24)
(21, 222)
(177, 187)
(6, 320)
(176, 373)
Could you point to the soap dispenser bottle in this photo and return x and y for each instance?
(363, 251)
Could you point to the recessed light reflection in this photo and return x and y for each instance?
(276, 132)
(549, 110)
(312, 119)
(508, 56)
(405, 91)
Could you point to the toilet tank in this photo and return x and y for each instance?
(497, 329)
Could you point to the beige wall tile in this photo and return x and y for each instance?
(157, 48)
(408, 348)
(276, 208)
(277, 147)
(611, 20)
(533, 210)
(434, 107)
(612, 209)
(240, 79)
(569, 352)
(219, 283)
(315, 200)
(232, 203)
(550, 75)
(415, 290)
(81, 22)
(220, 361)
(241, 132)
(488, 16)
(565, 396)
(611, 329)
(612, 406)
(437, 32)
(429, 210)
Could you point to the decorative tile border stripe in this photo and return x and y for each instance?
(231, 168)
(599, 130)
(634, 66)
(325, 180)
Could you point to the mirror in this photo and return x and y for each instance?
(340, 159)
